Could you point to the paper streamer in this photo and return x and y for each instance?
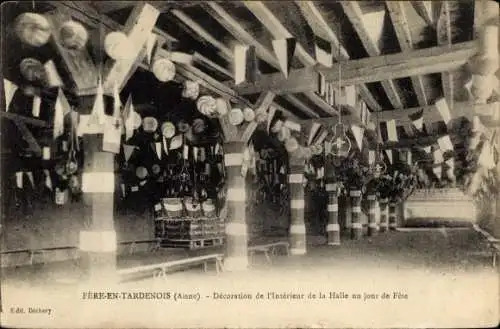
(37, 101)
(9, 90)
(392, 133)
(61, 109)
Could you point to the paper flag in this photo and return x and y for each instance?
(37, 101)
(127, 151)
(438, 156)
(357, 131)
(445, 143)
(165, 144)
(62, 108)
(245, 64)
(437, 170)
(409, 159)
(313, 132)
(150, 44)
(52, 76)
(112, 134)
(389, 155)
(48, 180)
(371, 157)
(128, 118)
(392, 133)
(98, 111)
(9, 89)
(19, 179)
(417, 119)
(323, 51)
(444, 110)
(158, 149)
(284, 50)
(30, 178)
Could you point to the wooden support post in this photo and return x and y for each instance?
(98, 241)
(372, 222)
(236, 252)
(393, 217)
(384, 224)
(297, 225)
(333, 227)
(357, 227)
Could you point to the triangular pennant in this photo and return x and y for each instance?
(450, 173)
(150, 44)
(98, 111)
(128, 118)
(37, 102)
(313, 132)
(165, 144)
(450, 163)
(444, 110)
(323, 51)
(48, 179)
(112, 134)
(417, 119)
(284, 50)
(388, 152)
(9, 89)
(358, 131)
(53, 78)
(245, 64)
(445, 143)
(127, 151)
(19, 179)
(62, 108)
(392, 134)
(158, 149)
(30, 178)
(486, 156)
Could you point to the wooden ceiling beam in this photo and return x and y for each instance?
(321, 28)
(355, 15)
(162, 6)
(401, 26)
(424, 9)
(138, 27)
(444, 39)
(300, 105)
(26, 120)
(372, 69)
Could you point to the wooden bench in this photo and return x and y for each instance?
(41, 252)
(154, 245)
(493, 243)
(160, 269)
(269, 249)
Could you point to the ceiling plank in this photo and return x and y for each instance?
(163, 6)
(444, 38)
(424, 9)
(27, 120)
(321, 28)
(321, 103)
(78, 63)
(371, 69)
(300, 105)
(138, 27)
(355, 15)
(400, 23)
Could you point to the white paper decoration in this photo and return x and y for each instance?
(118, 46)
(291, 145)
(141, 172)
(208, 106)
(32, 69)
(191, 89)
(283, 134)
(168, 129)
(73, 35)
(248, 114)
(236, 116)
(149, 124)
(33, 29)
(163, 69)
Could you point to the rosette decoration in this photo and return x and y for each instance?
(33, 29)
(73, 35)
(191, 89)
(32, 70)
(208, 106)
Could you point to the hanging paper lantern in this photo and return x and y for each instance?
(291, 145)
(149, 124)
(183, 126)
(199, 126)
(163, 69)
(236, 116)
(33, 29)
(207, 106)
(191, 89)
(176, 142)
(141, 172)
(117, 45)
(248, 114)
(32, 69)
(283, 134)
(168, 129)
(73, 35)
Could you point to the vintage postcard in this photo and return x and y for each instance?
(250, 164)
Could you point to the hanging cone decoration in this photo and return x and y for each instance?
(98, 108)
(389, 155)
(150, 45)
(52, 77)
(358, 131)
(392, 134)
(9, 89)
(165, 144)
(445, 143)
(113, 127)
(444, 110)
(245, 64)
(61, 109)
(323, 51)
(48, 180)
(284, 50)
(37, 101)
(417, 119)
(127, 151)
(128, 118)
(158, 150)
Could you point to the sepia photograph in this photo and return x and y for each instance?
(250, 164)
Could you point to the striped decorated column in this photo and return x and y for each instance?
(384, 215)
(372, 221)
(392, 215)
(357, 227)
(297, 225)
(236, 246)
(98, 241)
(333, 227)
